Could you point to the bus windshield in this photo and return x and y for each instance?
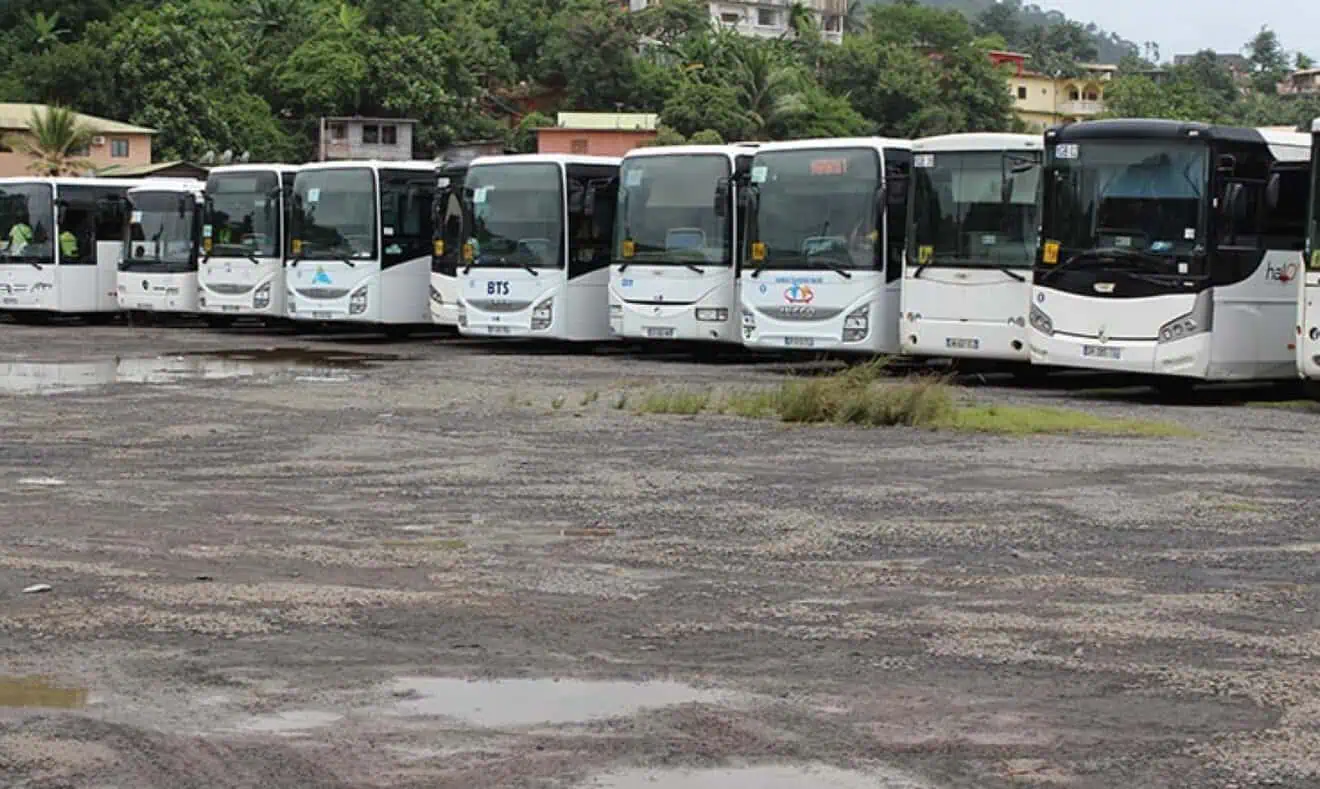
(242, 214)
(160, 227)
(334, 215)
(975, 208)
(27, 224)
(816, 208)
(1313, 227)
(517, 215)
(666, 209)
(1145, 199)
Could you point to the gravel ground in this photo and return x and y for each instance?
(306, 561)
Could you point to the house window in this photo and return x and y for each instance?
(389, 135)
(730, 17)
(767, 17)
(1022, 91)
(338, 131)
(579, 146)
(1092, 96)
(833, 24)
(85, 150)
(1073, 95)
(119, 149)
(370, 134)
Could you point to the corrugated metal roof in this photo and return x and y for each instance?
(154, 167)
(19, 116)
(630, 121)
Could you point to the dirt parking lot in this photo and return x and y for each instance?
(291, 562)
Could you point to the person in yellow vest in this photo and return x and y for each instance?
(20, 235)
(68, 245)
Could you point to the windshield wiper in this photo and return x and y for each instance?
(1112, 253)
(828, 260)
(506, 260)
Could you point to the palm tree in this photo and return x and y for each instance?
(769, 86)
(43, 30)
(55, 142)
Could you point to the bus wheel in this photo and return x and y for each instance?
(1311, 388)
(218, 321)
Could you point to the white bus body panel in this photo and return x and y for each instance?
(320, 290)
(444, 313)
(712, 290)
(807, 310)
(153, 292)
(1252, 335)
(965, 312)
(229, 286)
(26, 288)
(1308, 319)
(579, 312)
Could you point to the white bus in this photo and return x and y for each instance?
(677, 243)
(826, 227)
(1172, 249)
(60, 244)
(162, 245)
(360, 241)
(536, 261)
(972, 239)
(448, 220)
(1308, 303)
(243, 225)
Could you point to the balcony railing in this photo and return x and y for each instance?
(1082, 107)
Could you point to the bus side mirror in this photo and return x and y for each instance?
(1226, 165)
(183, 207)
(722, 198)
(1272, 190)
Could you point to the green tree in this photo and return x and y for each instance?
(706, 137)
(1269, 62)
(44, 31)
(698, 106)
(55, 142)
(589, 53)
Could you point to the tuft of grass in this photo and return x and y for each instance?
(621, 402)
(590, 397)
(558, 402)
(1288, 405)
(1021, 421)
(675, 401)
(859, 396)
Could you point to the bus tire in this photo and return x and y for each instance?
(1175, 388)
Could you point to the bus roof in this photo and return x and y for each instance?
(248, 167)
(980, 142)
(127, 183)
(1160, 129)
(1315, 126)
(372, 164)
(548, 158)
(175, 185)
(877, 143)
(731, 151)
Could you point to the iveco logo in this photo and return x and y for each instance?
(1103, 287)
(797, 310)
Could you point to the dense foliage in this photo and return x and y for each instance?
(253, 76)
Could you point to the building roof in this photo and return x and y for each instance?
(607, 121)
(364, 119)
(19, 116)
(139, 170)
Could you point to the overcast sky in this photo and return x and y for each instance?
(1184, 26)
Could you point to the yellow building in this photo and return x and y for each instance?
(1042, 101)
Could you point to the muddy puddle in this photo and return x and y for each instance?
(528, 702)
(39, 692)
(775, 777)
(311, 365)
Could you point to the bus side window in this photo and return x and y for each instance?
(407, 221)
(1286, 193)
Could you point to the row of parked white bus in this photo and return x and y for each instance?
(1174, 249)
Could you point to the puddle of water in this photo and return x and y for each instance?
(525, 702)
(38, 692)
(292, 721)
(31, 378)
(819, 777)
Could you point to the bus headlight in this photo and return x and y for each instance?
(357, 303)
(857, 324)
(1200, 319)
(543, 315)
(748, 324)
(436, 297)
(261, 298)
(616, 310)
(1040, 321)
(462, 315)
(712, 315)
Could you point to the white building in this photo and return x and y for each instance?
(769, 18)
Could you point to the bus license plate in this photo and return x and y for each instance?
(1102, 352)
(323, 315)
(144, 305)
(799, 342)
(499, 330)
(10, 300)
(229, 308)
(965, 343)
(659, 331)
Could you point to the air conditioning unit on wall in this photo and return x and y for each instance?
(98, 140)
